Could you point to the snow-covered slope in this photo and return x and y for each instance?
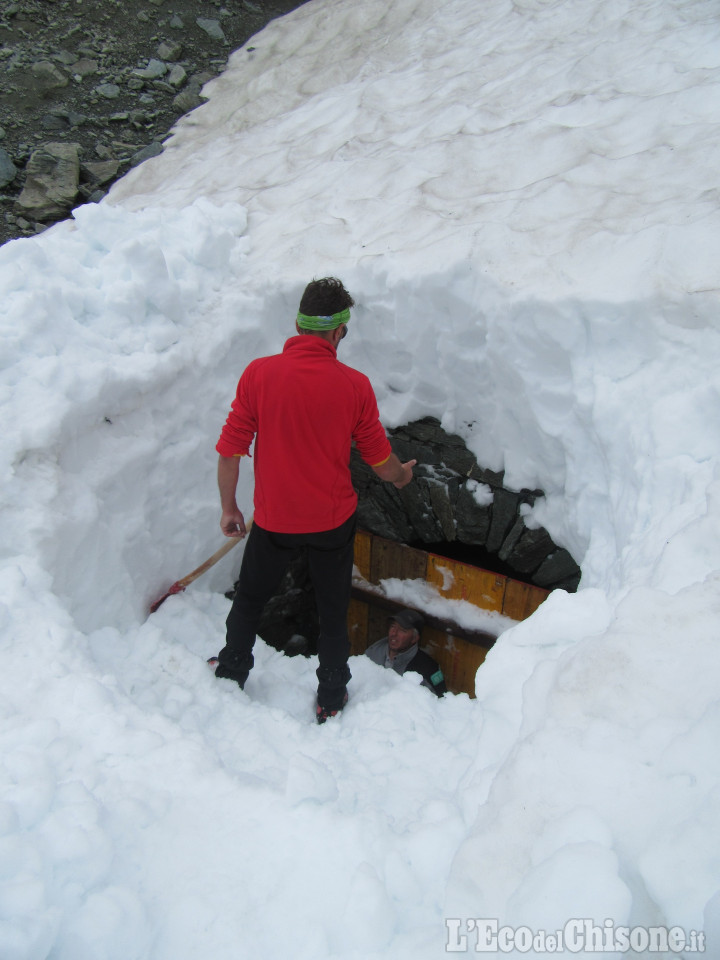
(522, 197)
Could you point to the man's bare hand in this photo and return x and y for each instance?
(407, 470)
(232, 524)
(395, 472)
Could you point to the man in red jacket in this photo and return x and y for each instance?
(304, 409)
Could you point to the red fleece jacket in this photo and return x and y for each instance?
(304, 408)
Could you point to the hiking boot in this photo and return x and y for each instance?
(324, 713)
(332, 686)
(223, 672)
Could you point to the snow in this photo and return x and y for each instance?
(522, 197)
(427, 597)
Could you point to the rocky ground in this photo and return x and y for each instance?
(89, 88)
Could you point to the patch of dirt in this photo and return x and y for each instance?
(76, 71)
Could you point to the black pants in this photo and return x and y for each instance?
(265, 560)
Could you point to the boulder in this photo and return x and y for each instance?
(8, 170)
(152, 150)
(504, 512)
(51, 184)
(177, 76)
(442, 508)
(211, 27)
(473, 519)
(153, 70)
(529, 550)
(558, 567)
(101, 171)
(108, 91)
(425, 524)
(170, 50)
(84, 68)
(48, 76)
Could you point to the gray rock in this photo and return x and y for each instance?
(124, 150)
(188, 99)
(153, 150)
(49, 77)
(72, 118)
(456, 456)
(504, 510)
(423, 430)
(8, 170)
(371, 517)
(170, 50)
(483, 475)
(104, 152)
(51, 184)
(473, 520)
(211, 27)
(177, 76)
(558, 567)
(361, 474)
(418, 508)
(50, 122)
(407, 450)
(101, 171)
(531, 548)
(513, 536)
(84, 68)
(153, 71)
(110, 91)
(65, 57)
(443, 509)
(389, 502)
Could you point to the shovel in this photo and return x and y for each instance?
(181, 584)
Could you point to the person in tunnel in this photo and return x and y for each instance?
(303, 409)
(400, 650)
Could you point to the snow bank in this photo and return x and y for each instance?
(522, 198)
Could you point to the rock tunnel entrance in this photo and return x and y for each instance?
(455, 508)
(458, 509)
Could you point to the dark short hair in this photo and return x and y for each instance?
(322, 298)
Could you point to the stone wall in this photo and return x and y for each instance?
(455, 500)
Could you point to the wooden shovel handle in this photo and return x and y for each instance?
(210, 562)
(180, 585)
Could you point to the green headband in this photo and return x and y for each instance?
(323, 323)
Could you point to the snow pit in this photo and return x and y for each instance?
(523, 200)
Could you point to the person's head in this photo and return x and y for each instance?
(404, 630)
(325, 310)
